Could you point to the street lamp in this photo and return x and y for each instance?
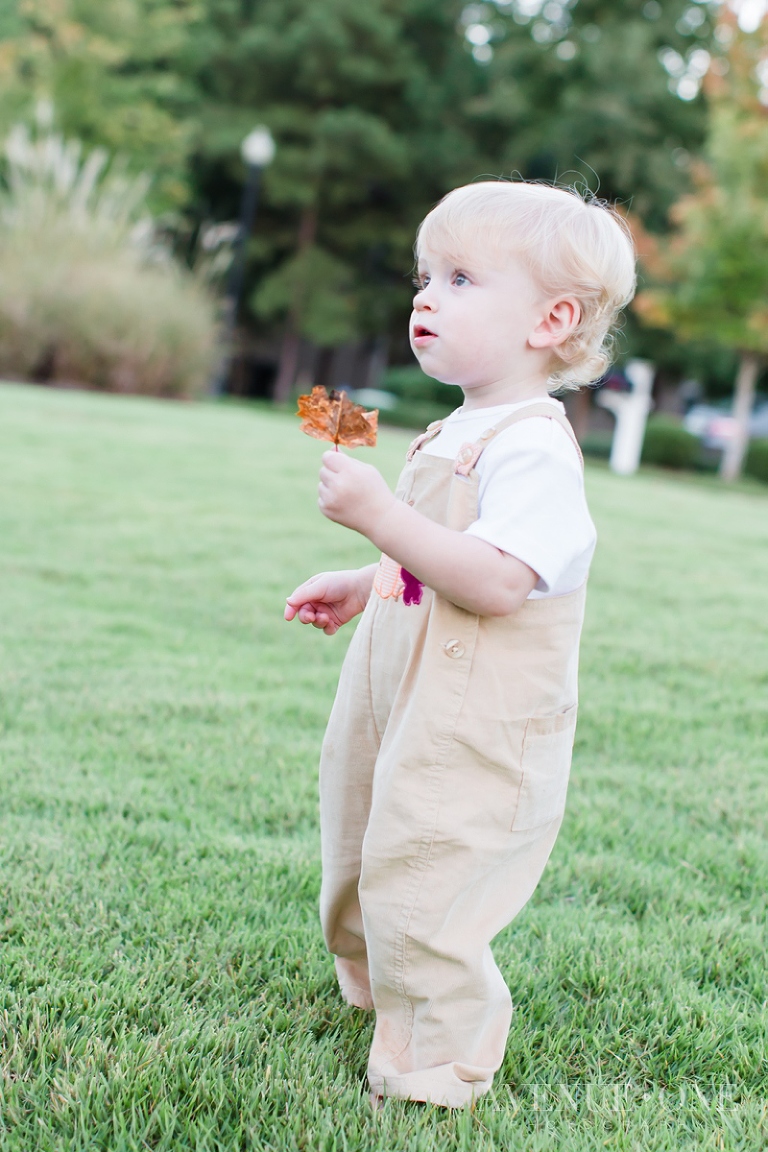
(257, 151)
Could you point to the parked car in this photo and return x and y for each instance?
(714, 424)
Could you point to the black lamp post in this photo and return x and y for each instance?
(257, 150)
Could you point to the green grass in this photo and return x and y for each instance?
(164, 982)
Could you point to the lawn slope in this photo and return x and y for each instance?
(163, 979)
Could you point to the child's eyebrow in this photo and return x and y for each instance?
(453, 262)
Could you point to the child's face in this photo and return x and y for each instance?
(471, 323)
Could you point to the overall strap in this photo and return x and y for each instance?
(423, 438)
(469, 454)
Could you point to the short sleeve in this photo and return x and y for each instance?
(532, 503)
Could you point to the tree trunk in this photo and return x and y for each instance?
(289, 362)
(324, 368)
(377, 364)
(736, 447)
(289, 353)
(580, 407)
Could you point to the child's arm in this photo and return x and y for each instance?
(464, 569)
(331, 599)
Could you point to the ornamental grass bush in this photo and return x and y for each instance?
(669, 445)
(88, 295)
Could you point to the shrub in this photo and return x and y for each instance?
(410, 383)
(668, 444)
(87, 293)
(756, 463)
(420, 399)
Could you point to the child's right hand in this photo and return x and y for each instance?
(330, 599)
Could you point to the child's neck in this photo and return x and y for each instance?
(498, 392)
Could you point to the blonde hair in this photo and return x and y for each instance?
(572, 245)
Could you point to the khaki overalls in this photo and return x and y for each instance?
(442, 788)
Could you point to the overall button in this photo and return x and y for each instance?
(453, 648)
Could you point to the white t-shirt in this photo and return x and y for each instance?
(531, 496)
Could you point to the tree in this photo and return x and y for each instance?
(112, 71)
(712, 274)
(378, 108)
(605, 92)
(366, 103)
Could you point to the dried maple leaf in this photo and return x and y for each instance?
(334, 417)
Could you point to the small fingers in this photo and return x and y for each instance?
(310, 589)
(308, 614)
(297, 604)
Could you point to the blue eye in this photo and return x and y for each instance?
(420, 282)
(460, 280)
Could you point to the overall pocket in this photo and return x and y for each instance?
(546, 766)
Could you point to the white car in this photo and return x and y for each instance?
(714, 425)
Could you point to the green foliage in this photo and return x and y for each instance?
(366, 104)
(114, 71)
(378, 108)
(712, 275)
(87, 294)
(583, 91)
(420, 398)
(165, 980)
(327, 317)
(668, 444)
(410, 383)
(723, 288)
(756, 462)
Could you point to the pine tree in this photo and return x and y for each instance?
(365, 101)
(599, 92)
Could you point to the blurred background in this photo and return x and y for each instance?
(220, 197)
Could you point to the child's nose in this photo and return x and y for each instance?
(423, 301)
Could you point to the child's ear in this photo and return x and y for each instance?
(558, 323)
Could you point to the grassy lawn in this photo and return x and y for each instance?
(163, 978)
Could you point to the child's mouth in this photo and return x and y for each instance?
(422, 336)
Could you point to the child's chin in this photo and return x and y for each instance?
(434, 372)
(447, 379)
(439, 374)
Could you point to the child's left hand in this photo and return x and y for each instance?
(352, 493)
